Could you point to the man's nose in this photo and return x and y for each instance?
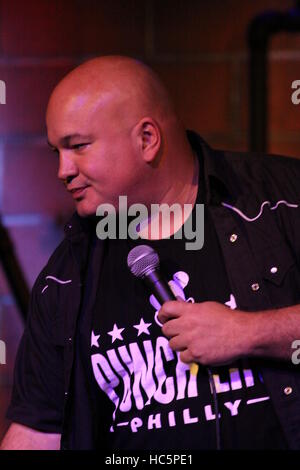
(67, 167)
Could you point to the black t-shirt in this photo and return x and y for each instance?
(157, 402)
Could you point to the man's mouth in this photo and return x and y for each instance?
(78, 192)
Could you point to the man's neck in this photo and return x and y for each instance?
(163, 221)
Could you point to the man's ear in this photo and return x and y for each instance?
(147, 136)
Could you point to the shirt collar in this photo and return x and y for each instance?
(219, 179)
(77, 226)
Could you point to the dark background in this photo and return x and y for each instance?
(199, 48)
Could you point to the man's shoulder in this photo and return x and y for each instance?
(59, 257)
(60, 262)
(248, 177)
(274, 174)
(267, 161)
(268, 174)
(244, 158)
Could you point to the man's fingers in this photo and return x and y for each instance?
(171, 309)
(178, 343)
(171, 328)
(186, 357)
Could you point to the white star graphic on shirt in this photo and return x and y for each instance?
(115, 333)
(142, 327)
(94, 340)
(231, 303)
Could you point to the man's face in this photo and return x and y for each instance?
(97, 158)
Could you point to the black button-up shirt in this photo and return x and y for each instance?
(254, 202)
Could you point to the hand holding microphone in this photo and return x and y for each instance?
(143, 263)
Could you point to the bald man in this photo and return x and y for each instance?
(101, 363)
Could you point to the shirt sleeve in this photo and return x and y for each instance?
(38, 388)
(282, 175)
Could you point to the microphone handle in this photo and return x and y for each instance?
(159, 287)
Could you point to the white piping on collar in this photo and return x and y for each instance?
(248, 219)
(60, 281)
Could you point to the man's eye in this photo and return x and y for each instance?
(79, 146)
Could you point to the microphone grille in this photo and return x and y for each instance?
(142, 259)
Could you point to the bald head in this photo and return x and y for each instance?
(130, 84)
(113, 124)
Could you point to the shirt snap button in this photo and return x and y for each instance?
(233, 237)
(255, 286)
(274, 269)
(288, 390)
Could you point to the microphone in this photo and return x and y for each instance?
(143, 262)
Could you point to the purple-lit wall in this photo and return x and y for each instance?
(198, 48)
